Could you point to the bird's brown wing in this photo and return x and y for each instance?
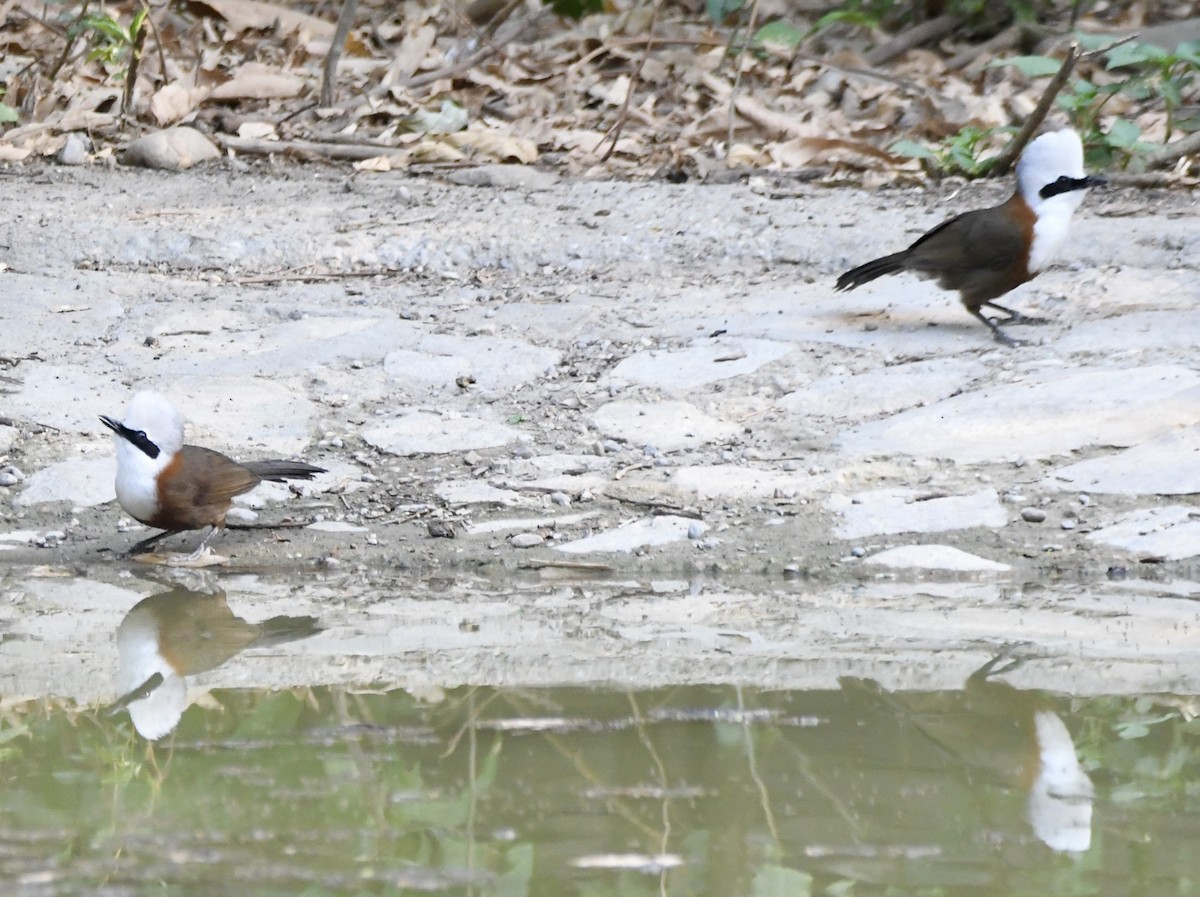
(199, 485)
(971, 240)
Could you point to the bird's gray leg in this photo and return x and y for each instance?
(1015, 317)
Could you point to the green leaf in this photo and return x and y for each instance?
(780, 34)
(8, 114)
(780, 881)
(848, 16)
(576, 9)
(1030, 66)
(720, 10)
(1123, 134)
(1134, 54)
(910, 149)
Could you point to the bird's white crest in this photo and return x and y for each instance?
(1044, 161)
(137, 472)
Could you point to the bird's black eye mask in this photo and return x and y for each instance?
(1065, 184)
(134, 437)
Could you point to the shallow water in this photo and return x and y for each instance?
(285, 755)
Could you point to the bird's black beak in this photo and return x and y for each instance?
(136, 437)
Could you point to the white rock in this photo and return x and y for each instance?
(682, 369)
(1048, 413)
(474, 492)
(336, 526)
(83, 482)
(887, 511)
(1168, 465)
(526, 540)
(1171, 532)
(638, 534)
(422, 432)
(935, 557)
(174, 149)
(668, 425)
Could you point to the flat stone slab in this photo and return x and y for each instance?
(888, 511)
(1168, 465)
(736, 481)
(438, 360)
(935, 557)
(669, 426)
(885, 391)
(638, 534)
(704, 362)
(246, 418)
(426, 433)
(1171, 533)
(1047, 413)
(83, 482)
(476, 493)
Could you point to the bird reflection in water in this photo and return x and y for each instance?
(178, 633)
(1011, 733)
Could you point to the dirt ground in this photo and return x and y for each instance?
(529, 362)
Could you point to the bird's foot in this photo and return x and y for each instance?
(1015, 317)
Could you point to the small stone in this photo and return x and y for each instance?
(1085, 500)
(858, 551)
(1068, 523)
(16, 472)
(523, 452)
(440, 529)
(1033, 515)
(526, 540)
(695, 530)
(611, 445)
(650, 451)
(7, 478)
(791, 570)
(560, 498)
(471, 459)
(74, 151)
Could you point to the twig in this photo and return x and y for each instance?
(1003, 162)
(1172, 152)
(329, 75)
(1001, 41)
(135, 59)
(737, 77)
(929, 30)
(69, 37)
(585, 566)
(306, 147)
(615, 131)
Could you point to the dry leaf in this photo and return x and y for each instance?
(243, 15)
(258, 130)
(434, 150)
(375, 163)
(255, 81)
(174, 101)
(497, 145)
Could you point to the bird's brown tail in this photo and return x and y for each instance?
(279, 471)
(856, 277)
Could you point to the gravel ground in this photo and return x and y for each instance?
(575, 377)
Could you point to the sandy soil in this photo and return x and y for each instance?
(664, 369)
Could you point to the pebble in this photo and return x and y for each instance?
(858, 551)
(1033, 515)
(611, 445)
(1068, 523)
(440, 529)
(560, 498)
(74, 151)
(8, 479)
(526, 540)
(695, 530)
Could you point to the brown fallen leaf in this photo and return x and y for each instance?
(497, 145)
(255, 81)
(174, 101)
(245, 15)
